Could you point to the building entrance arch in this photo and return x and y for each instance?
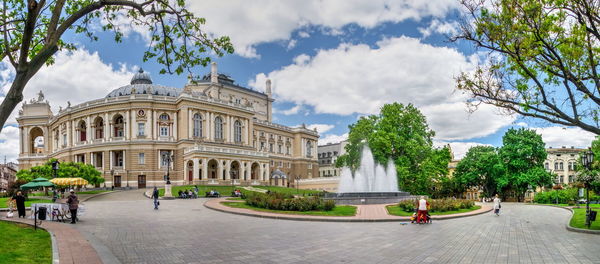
(254, 171)
(190, 170)
(212, 169)
(235, 169)
(36, 136)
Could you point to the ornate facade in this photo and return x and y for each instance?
(213, 131)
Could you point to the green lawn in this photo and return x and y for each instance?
(226, 190)
(395, 210)
(341, 210)
(3, 202)
(22, 244)
(581, 205)
(578, 219)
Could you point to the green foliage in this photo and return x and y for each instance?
(66, 170)
(33, 31)
(481, 167)
(564, 196)
(399, 133)
(286, 202)
(438, 205)
(523, 154)
(591, 178)
(543, 59)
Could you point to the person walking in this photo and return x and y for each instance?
(20, 201)
(497, 205)
(73, 202)
(422, 210)
(155, 197)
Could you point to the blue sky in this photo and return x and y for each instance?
(330, 63)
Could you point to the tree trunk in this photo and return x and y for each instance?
(13, 97)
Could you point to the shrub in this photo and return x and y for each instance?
(564, 196)
(286, 202)
(438, 205)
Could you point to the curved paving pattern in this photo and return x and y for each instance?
(184, 231)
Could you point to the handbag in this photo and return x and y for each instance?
(499, 206)
(10, 214)
(157, 202)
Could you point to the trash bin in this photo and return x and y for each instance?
(42, 213)
(593, 215)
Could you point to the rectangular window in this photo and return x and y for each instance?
(270, 147)
(310, 166)
(141, 158)
(280, 165)
(164, 157)
(287, 150)
(141, 128)
(64, 139)
(164, 131)
(262, 146)
(289, 165)
(272, 163)
(280, 149)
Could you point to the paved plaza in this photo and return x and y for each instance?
(123, 226)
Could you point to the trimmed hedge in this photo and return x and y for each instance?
(286, 202)
(564, 196)
(438, 205)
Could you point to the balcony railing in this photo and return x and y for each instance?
(225, 150)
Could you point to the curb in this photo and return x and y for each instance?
(568, 226)
(55, 256)
(315, 219)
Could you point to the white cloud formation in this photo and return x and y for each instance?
(557, 136)
(249, 23)
(81, 75)
(321, 128)
(9, 143)
(292, 111)
(440, 27)
(331, 138)
(360, 79)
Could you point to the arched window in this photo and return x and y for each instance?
(218, 128)
(119, 127)
(237, 131)
(308, 149)
(197, 125)
(99, 128)
(164, 117)
(82, 131)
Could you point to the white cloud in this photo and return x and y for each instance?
(459, 149)
(557, 136)
(360, 79)
(303, 34)
(522, 124)
(331, 138)
(9, 143)
(440, 27)
(291, 44)
(292, 111)
(321, 128)
(81, 75)
(249, 23)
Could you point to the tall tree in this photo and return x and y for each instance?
(481, 167)
(399, 133)
(65, 170)
(31, 32)
(523, 154)
(591, 178)
(544, 57)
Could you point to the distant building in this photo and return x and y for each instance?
(562, 162)
(8, 172)
(327, 155)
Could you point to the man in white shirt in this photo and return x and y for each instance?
(422, 210)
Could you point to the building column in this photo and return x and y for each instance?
(126, 126)
(153, 124)
(175, 135)
(247, 132)
(88, 130)
(190, 132)
(219, 169)
(106, 128)
(268, 172)
(124, 160)
(227, 170)
(110, 160)
(204, 169)
(195, 169)
(260, 171)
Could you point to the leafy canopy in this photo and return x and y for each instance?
(399, 133)
(481, 167)
(65, 170)
(543, 59)
(31, 32)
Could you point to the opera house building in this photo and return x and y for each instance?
(210, 132)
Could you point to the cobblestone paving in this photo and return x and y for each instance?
(184, 231)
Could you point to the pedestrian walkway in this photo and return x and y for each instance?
(72, 246)
(254, 189)
(364, 213)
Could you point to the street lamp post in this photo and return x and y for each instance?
(586, 160)
(168, 158)
(55, 167)
(232, 176)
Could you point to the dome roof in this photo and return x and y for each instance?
(141, 83)
(141, 77)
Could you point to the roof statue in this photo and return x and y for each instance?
(40, 97)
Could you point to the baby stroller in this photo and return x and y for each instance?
(425, 219)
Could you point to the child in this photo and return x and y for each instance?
(428, 218)
(413, 218)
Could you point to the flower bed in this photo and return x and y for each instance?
(438, 205)
(286, 202)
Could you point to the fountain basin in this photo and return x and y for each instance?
(355, 198)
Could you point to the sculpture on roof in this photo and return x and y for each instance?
(40, 97)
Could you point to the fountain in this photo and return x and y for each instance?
(370, 184)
